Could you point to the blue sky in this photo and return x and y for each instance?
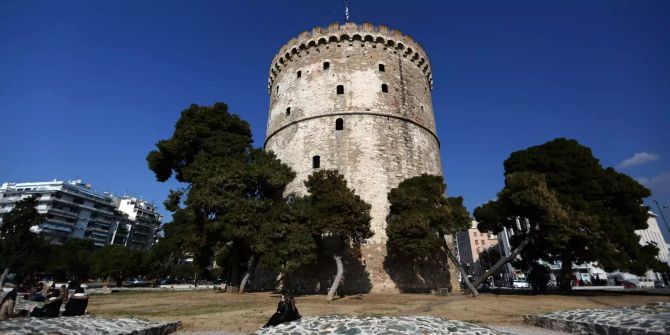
(88, 87)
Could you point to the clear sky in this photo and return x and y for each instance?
(88, 87)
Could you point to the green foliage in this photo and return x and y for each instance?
(335, 210)
(287, 243)
(232, 190)
(21, 249)
(583, 212)
(118, 262)
(73, 259)
(421, 215)
(489, 257)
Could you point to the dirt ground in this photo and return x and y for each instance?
(244, 313)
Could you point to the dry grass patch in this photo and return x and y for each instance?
(206, 310)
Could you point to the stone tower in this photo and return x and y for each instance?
(355, 98)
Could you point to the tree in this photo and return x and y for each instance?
(421, 216)
(231, 187)
(20, 246)
(117, 262)
(73, 259)
(583, 212)
(489, 257)
(288, 244)
(338, 217)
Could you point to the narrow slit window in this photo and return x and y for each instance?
(385, 88)
(340, 89)
(288, 111)
(381, 68)
(316, 162)
(299, 74)
(326, 65)
(277, 89)
(339, 124)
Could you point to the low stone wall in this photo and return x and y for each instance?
(649, 319)
(86, 325)
(336, 324)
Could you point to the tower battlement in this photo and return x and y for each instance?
(364, 35)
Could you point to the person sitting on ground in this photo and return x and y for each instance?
(51, 308)
(77, 303)
(7, 305)
(286, 312)
(64, 293)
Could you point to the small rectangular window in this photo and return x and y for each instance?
(385, 88)
(288, 111)
(316, 162)
(340, 89)
(381, 68)
(326, 65)
(299, 74)
(476, 242)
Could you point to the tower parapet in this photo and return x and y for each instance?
(362, 34)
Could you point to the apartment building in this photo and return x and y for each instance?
(72, 209)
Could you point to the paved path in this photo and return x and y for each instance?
(85, 325)
(651, 319)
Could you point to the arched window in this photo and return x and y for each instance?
(288, 111)
(385, 88)
(381, 68)
(316, 162)
(340, 89)
(326, 65)
(299, 74)
(339, 124)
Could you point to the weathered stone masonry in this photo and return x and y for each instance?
(388, 127)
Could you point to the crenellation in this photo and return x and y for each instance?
(336, 33)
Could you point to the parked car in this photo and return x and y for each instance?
(659, 284)
(520, 284)
(137, 282)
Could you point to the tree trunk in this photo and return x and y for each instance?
(2, 279)
(566, 273)
(338, 277)
(234, 271)
(454, 260)
(502, 261)
(453, 267)
(251, 266)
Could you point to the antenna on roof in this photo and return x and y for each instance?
(346, 10)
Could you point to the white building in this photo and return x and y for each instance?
(139, 224)
(653, 235)
(73, 210)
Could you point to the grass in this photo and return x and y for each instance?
(244, 313)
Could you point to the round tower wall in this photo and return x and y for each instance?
(385, 138)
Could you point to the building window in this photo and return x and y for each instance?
(277, 89)
(385, 88)
(299, 74)
(288, 111)
(474, 234)
(339, 124)
(316, 162)
(476, 242)
(482, 242)
(381, 68)
(340, 89)
(326, 65)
